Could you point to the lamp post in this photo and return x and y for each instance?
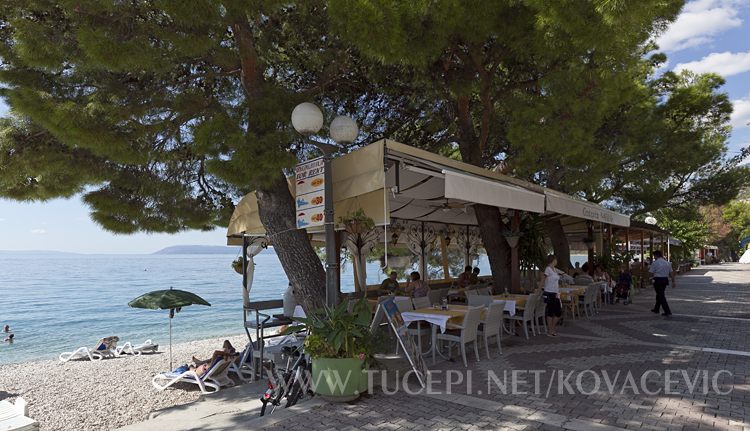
(307, 119)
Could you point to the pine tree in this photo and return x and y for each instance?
(164, 113)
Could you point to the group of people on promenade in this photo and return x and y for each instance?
(416, 287)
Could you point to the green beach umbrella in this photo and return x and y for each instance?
(170, 299)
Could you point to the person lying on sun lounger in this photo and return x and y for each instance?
(201, 366)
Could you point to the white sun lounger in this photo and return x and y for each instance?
(14, 417)
(214, 379)
(105, 348)
(242, 366)
(129, 349)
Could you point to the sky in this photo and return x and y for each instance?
(708, 36)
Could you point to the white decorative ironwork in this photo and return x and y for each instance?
(469, 239)
(360, 245)
(420, 238)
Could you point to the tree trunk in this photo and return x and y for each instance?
(300, 262)
(491, 227)
(560, 243)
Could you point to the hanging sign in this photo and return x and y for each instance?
(310, 193)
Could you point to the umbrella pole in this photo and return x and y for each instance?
(170, 341)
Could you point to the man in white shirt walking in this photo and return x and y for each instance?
(662, 271)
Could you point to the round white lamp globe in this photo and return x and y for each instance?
(344, 129)
(650, 220)
(307, 118)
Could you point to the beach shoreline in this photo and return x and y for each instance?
(105, 394)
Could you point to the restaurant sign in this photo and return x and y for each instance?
(309, 180)
(598, 214)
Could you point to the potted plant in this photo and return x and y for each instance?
(357, 222)
(339, 345)
(237, 265)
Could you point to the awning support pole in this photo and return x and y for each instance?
(444, 253)
(515, 265)
(643, 246)
(627, 240)
(467, 256)
(422, 256)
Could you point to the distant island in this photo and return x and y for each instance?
(197, 249)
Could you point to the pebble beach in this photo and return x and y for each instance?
(106, 394)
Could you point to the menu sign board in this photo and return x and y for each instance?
(310, 193)
(389, 310)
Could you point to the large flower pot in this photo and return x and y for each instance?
(339, 379)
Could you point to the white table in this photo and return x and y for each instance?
(510, 305)
(439, 320)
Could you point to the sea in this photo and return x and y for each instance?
(56, 303)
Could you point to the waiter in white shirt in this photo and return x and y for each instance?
(662, 271)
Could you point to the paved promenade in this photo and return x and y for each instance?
(686, 372)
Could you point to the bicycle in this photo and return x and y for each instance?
(291, 383)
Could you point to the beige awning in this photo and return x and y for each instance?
(358, 182)
(561, 203)
(480, 190)
(387, 180)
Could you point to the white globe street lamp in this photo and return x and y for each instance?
(344, 130)
(307, 119)
(650, 220)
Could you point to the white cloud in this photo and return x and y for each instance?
(723, 63)
(699, 22)
(741, 113)
(38, 231)
(2, 219)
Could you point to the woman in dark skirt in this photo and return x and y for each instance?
(550, 283)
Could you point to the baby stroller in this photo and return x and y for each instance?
(622, 291)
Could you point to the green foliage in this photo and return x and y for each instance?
(614, 262)
(336, 333)
(533, 250)
(688, 227)
(737, 214)
(237, 264)
(151, 109)
(357, 220)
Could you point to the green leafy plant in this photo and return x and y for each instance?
(357, 221)
(532, 248)
(334, 332)
(237, 265)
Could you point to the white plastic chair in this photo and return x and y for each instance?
(421, 302)
(527, 318)
(540, 312)
(484, 291)
(463, 334)
(589, 299)
(479, 300)
(492, 325)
